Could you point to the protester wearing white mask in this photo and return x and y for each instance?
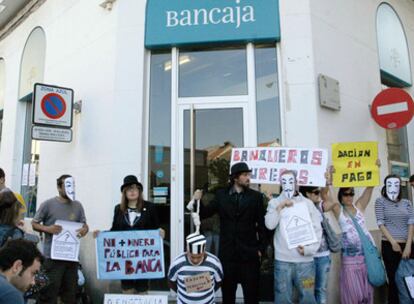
(63, 275)
(395, 218)
(293, 267)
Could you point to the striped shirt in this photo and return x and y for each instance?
(181, 268)
(395, 216)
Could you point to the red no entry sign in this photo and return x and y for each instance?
(392, 108)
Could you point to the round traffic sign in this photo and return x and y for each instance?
(53, 105)
(393, 108)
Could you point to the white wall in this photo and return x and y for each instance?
(345, 48)
(100, 54)
(298, 70)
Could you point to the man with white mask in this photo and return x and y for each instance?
(293, 267)
(63, 275)
(395, 218)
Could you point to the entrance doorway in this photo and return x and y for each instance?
(203, 103)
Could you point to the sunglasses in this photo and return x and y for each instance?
(348, 194)
(316, 192)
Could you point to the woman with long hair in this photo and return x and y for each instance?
(9, 217)
(134, 213)
(354, 285)
(395, 218)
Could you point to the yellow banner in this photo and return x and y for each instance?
(355, 164)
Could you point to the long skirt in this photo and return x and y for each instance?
(355, 288)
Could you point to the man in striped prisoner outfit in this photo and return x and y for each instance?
(195, 274)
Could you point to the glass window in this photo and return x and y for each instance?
(394, 57)
(213, 73)
(31, 71)
(397, 143)
(267, 97)
(159, 158)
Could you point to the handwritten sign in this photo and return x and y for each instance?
(269, 163)
(355, 164)
(198, 283)
(130, 255)
(134, 299)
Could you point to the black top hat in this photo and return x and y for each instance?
(239, 168)
(131, 180)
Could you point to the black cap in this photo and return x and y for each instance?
(131, 180)
(239, 168)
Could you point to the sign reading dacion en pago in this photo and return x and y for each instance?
(52, 106)
(190, 22)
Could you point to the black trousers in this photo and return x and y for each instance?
(63, 282)
(245, 273)
(392, 260)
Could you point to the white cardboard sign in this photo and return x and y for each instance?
(134, 299)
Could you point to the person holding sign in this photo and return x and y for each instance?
(195, 275)
(134, 213)
(324, 202)
(242, 232)
(63, 275)
(297, 238)
(395, 218)
(354, 284)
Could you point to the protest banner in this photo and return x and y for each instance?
(268, 163)
(111, 298)
(130, 255)
(355, 164)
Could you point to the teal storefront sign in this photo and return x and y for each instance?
(172, 23)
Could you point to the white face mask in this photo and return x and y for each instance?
(69, 184)
(393, 188)
(288, 184)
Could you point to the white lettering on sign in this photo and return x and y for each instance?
(393, 108)
(228, 15)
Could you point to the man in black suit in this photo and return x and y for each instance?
(242, 233)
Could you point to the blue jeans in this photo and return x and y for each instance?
(290, 275)
(322, 267)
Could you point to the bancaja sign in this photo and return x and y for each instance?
(192, 22)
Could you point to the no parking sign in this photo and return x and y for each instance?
(52, 106)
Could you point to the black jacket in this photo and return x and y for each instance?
(148, 220)
(242, 229)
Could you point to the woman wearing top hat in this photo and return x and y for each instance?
(134, 213)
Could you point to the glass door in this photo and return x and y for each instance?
(209, 134)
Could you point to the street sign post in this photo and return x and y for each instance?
(393, 108)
